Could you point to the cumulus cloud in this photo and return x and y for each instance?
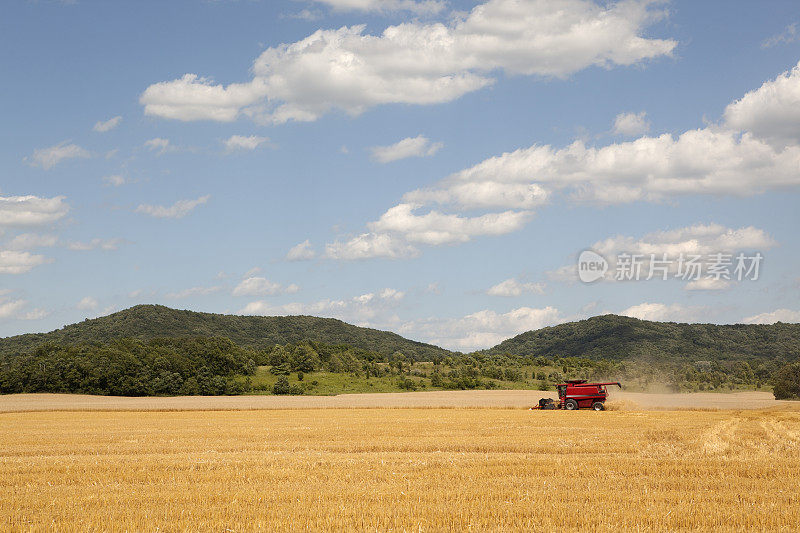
(179, 209)
(9, 309)
(772, 111)
(708, 284)
(108, 125)
(115, 180)
(193, 291)
(87, 303)
(96, 244)
(482, 329)
(514, 287)
(788, 35)
(16, 262)
(395, 234)
(301, 252)
(418, 7)
(631, 124)
(240, 142)
(370, 245)
(258, 286)
(699, 239)
(29, 241)
(704, 161)
(419, 146)
(47, 158)
(439, 228)
(716, 160)
(16, 211)
(666, 313)
(699, 243)
(416, 63)
(159, 145)
(359, 309)
(481, 194)
(779, 315)
(14, 309)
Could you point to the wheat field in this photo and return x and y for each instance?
(400, 470)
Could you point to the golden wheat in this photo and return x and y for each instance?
(460, 398)
(400, 470)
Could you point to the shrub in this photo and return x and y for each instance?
(787, 383)
(281, 386)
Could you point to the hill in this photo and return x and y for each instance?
(620, 338)
(146, 322)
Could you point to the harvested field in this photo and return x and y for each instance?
(476, 398)
(401, 470)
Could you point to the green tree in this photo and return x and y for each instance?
(281, 386)
(304, 359)
(786, 385)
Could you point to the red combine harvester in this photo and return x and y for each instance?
(578, 394)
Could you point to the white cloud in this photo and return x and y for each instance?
(419, 7)
(301, 252)
(703, 240)
(708, 284)
(699, 239)
(34, 314)
(481, 195)
(258, 286)
(482, 329)
(514, 287)
(108, 125)
(715, 160)
(115, 180)
(419, 146)
(705, 161)
(47, 158)
(415, 63)
(665, 313)
(360, 309)
(719, 160)
(87, 303)
(788, 35)
(179, 209)
(631, 124)
(392, 235)
(193, 291)
(31, 210)
(13, 309)
(436, 228)
(29, 241)
(9, 309)
(772, 111)
(240, 142)
(160, 145)
(779, 315)
(370, 245)
(14, 262)
(306, 14)
(95, 244)
(252, 272)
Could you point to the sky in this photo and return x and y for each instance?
(454, 171)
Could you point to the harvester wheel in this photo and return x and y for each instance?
(570, 405)
(598, 406)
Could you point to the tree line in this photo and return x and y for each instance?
(217, 365)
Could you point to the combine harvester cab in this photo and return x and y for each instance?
(578, 394)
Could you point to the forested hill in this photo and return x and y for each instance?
(145, 322)
(619, 338)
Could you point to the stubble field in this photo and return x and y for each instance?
(400, 470)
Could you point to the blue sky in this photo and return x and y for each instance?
(430, 167)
